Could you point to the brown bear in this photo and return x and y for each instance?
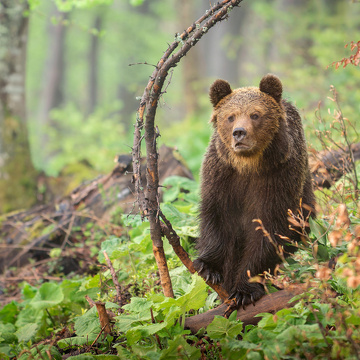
(255, 168)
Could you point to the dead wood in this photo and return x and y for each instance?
(148, 196)
(103, 317)
(270, 303)
(32, 233)
(328, 166)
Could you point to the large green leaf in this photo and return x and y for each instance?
(221, 328)
(87, 324)
(26, 332)
(7, 334)
(138, 305)
(125, 322)
(49, 295)
(139, 309)
(9, 312)
(178, 186)
(110, 245)
(142, 331)
(192, 300)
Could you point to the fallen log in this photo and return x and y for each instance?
(270, 303)
(328, 166)
(32, 233)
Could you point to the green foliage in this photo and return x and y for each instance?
(181, 205)
(68, 5)
(221, 328)
(71, 132)
(42, 311)
(75, 135)
(161, 316)
(41, 352)
(136, 2)
(324, 322)
(191, 137)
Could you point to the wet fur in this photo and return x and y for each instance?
(262, 183)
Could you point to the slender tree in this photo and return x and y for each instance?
(52, 82)
(17, 174)
(93, 66)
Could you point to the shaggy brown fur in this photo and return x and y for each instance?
(256, 167)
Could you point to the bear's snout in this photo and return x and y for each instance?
(239, 133)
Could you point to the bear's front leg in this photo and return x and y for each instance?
(259, 255)
(206, 271)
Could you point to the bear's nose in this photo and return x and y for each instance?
(239, 133)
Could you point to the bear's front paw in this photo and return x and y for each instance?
(246, 294)
(206, 272)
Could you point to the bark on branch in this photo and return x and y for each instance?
(268, 304)
(147, 196)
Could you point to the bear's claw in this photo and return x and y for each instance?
(250, 296)
(206, 272)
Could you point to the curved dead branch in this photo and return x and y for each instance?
(148, 196)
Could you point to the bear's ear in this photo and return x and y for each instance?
(271, 85)
(218, 90)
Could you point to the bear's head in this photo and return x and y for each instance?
(247, 119)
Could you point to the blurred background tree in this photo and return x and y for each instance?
(17, 174)
(82, 93)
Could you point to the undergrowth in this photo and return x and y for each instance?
(324, 323)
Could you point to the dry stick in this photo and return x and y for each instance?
(90, 300)
(114, 277)
(174, 241)
(156, 335)
(97, 338)
(71, 223)
(103, 317)
(321, 326)
(29, 278)
(148, 201)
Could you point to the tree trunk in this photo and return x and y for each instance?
(192, 68)
(93, 66)
(52, 94)
(17, 174)
(220, 46)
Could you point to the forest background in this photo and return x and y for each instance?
(71, 74)
(82, 94)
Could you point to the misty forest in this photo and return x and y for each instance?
(104, 124)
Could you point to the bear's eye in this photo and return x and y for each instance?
(254, 116)
(231, 118)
